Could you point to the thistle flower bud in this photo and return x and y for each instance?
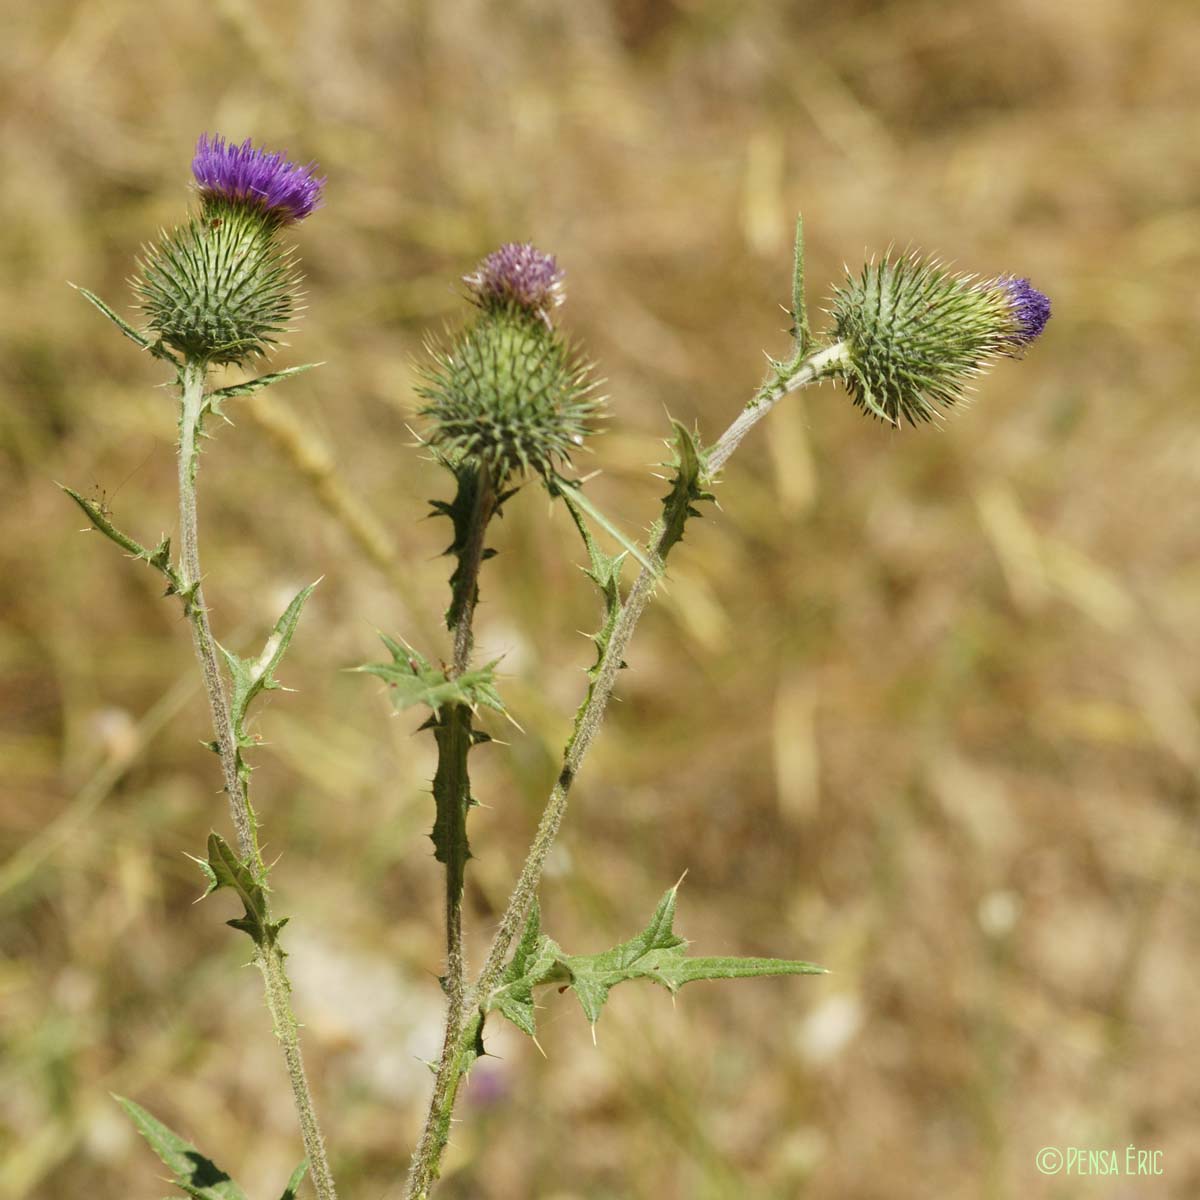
(914, 334)
(221, 288)
(509, 392)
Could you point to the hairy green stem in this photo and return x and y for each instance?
(269, 960)
(457, 1056)
(283, 1020)
(453, 734)
(190, 418)
(788, 378)
(796, 374)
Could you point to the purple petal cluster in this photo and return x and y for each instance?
(1030, 308)
(520, 274)
(286, 190)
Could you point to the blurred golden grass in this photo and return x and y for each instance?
(919, 707)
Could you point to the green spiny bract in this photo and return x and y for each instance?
(914, 334)
(509, 394)
(221, 288)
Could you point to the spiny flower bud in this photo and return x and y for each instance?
(914, 334)
(509, 393)
(221, 288)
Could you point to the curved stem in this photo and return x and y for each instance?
(592, 714)
(268, 960)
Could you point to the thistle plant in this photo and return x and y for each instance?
(507, 402)
(218, 290)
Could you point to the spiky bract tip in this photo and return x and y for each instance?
(509, 394)
(915, 334)
(220, 288)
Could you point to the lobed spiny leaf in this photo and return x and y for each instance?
(657, 953)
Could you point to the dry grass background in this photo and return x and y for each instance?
(921, 707)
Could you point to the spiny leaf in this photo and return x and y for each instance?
(572, 493)
(196, 1175)
(289, 1192)
(159, 558)
(214, 399)
(605, 572)
(687, 488)
(532, 963)
(657, 953)
(223, 869)
(412, 680)
(253, 675)
(154, 347)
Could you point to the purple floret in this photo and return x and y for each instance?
(1030, 309)
(519, 274)
(280, 187)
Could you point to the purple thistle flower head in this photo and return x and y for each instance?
(518, 274)
(284, 190)
(1030, 309)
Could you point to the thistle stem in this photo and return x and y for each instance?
(268, 960)
(283, 1021)
(459, 732)
(468, 581)
(190, 418)
(460, 1038)
(454, 742)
